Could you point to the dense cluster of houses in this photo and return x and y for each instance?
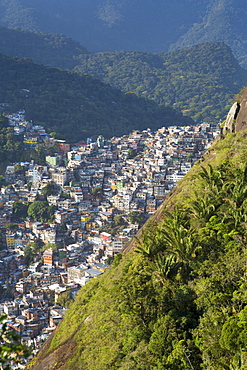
(94, 181)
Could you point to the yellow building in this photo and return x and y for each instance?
(85, 218)
(10, 240)
(88, 226)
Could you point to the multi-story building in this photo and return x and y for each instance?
(59, 176)
(48, 257)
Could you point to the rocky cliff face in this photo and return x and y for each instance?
(229, 125)
(241, 119)
(236, 119)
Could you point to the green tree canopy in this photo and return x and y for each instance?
(131, 153)
(49, 189)
(40, 211)
(20, 209)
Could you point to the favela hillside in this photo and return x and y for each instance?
(176, 299)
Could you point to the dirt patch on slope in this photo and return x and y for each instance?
(57, 359)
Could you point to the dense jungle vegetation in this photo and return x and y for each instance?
(77, 106)
(199, 80)
(178, 300)
(222, 21)
(52, 49)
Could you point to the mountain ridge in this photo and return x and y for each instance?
(77, 106)
(148, 26)
(103, 24)
(222, 21)
(198, 80)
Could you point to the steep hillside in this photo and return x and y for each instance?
(178, 299)
(49, 49)
(77, 106)
(198, 80)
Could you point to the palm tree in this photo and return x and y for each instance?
(150, 244)
(235, 215)
(239, 362)
(180, 241)
(165, 267)
(202, 208)
(235, 196)
(237, 192)
(211, 176)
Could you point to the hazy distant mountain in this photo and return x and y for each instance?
(224, 20)
(107, 25)
(143, 25)
(52, 49)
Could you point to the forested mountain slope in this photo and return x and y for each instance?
(54, 50)
(77, 106)
(143, 25)
(198, 80)
(223, 21)
(178, 299)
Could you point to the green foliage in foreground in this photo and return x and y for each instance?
(178, 301)
(198, 80)
(77, 106)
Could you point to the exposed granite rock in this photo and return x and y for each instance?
(241, 120)
(229, 125)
